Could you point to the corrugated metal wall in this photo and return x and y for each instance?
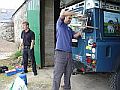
(33, 16)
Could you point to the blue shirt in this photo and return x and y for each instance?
(64, 36)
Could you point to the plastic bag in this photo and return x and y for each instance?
(18, 84)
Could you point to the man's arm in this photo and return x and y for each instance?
(21, 45)
(32, 41)
(78, 34)
(64, 13)
(32, 44)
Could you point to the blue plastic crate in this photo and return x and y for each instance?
(19, 70)
(10, 72)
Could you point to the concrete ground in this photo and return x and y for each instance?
(43, 81)
(91, 81)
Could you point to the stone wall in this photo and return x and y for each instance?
(18, 18)
(49, 32)
(7, 31)
(21, 15)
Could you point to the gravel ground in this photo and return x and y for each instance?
(40, 82)
(6, 46)
(43, 81)
(6, 49)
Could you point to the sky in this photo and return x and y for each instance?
(10, 4)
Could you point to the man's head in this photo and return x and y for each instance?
(25, 25)
(68, 19)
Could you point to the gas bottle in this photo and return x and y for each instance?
(23, 76)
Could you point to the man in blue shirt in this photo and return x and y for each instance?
(63, 50)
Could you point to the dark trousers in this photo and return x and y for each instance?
(63, 65)
(27, 53)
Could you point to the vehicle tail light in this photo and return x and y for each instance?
(88, 60)
(82, 69)
(93, 66)
(94, 45)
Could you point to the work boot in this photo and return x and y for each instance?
(35, 73)
(25, 71)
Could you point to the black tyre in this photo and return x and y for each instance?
(114, 81)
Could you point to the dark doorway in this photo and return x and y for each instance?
(42, 33)
(56, 15)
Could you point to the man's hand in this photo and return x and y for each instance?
(66, 12)
(78, 34)
(20, 48)
(21, 45)
(29, 52)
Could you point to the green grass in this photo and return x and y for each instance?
(9, 62)
(16, 55)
